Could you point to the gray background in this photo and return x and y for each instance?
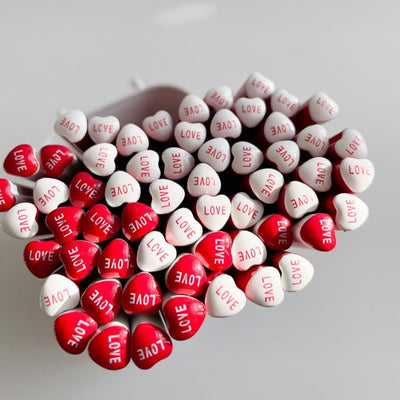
(339, 337)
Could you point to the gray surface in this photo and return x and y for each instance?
(339, 338)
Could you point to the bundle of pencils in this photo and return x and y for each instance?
(168, 207)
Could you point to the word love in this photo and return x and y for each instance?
(223, 298)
